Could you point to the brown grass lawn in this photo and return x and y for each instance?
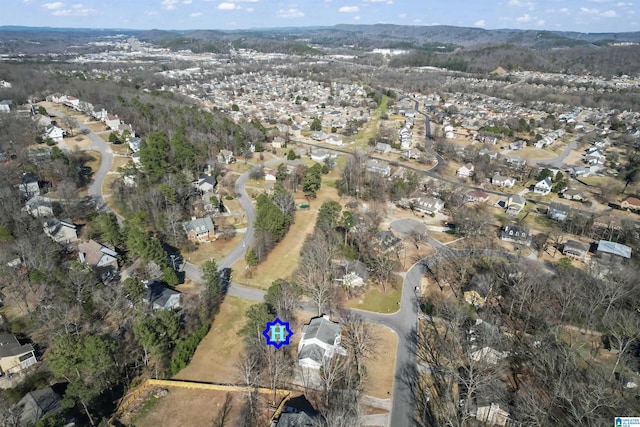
(216, 356)
(104, 135)
(77, 142)
(283, 260)
(381, 366)
(182, 407)
(97, 126)
(217, 250)
(122, 149)
(120, 162)
(108, 183)
(535, 153)
(94, 161)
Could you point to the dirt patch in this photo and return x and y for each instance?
(182, 407)
(216, 356)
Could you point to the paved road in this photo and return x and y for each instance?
(557, 162)
(106, 161)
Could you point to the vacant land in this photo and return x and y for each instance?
(216, 356)
(379, 300)
(381, 366)
(217, 249)
(94, 161)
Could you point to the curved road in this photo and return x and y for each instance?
(403, 322)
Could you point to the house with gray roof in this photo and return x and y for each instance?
(375, 166)
(575, 250)
(160, 297)
(516, 234)
(613, 251)
(558, 211)
(36, 405)
(320, 341)
(14, 357)
(199, 229)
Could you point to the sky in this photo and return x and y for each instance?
(562, 15)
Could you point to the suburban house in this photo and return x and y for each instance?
(319, 135)
(296, 412)
(493, 415)
(516, 234)
(558, 211)
(97, 255)
(575, 250)
(29, 185)
(270, 175)
(320, 156)
(517, 145)
(161, 297)
(543, 187)
(278, 142)
(488, 355)
(42, 120)
(199, 229)
(631, 203)
(413, 153)
(5, 106)
(206, 183)
(112, 121)
(465, 171)
(612, 251)
(39, 206)
(573, 195)
(61, 231)
(14, 357)
(320, 340)
(56, 133)
(386, 241)
(355, 274)
(334, 140)
(477, 196)
(427, 205)
(135, 144)
(378, 167)
(503, 181)
(37, 404)
(383, 148)
(226, 157)
(515, 204)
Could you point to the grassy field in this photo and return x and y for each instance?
(284, 259)
(217, 354)
(371, 127)
(377, 300)
(381, 370)
(217, 250)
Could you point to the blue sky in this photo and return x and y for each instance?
(574, 15)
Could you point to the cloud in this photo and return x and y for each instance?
(540, 22)
(75, 11)
(402, 15)
(227, 6)
(564, 10)
(356, 18)
(609, 14)
(623, 4)
(349, 9)
(196, 14)
(150, 12)
(520, 3)
(524, 18)
(587, 11)
(417, 21)
(480, 23)
(169, 4)
(249, 9)
(290, 13)
(187, 1)
(599, 1)
(53, 6)
(77, 6)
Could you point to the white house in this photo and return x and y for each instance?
(465, 171)
(503, 181)
(55, 133)
(112, 121)
(320, 156)
(428, 205)
(383, 148)
(39, 206)
(334, 140)
(320, 340)
(378, 167)
(543, 187)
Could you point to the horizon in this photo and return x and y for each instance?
(582, 16)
